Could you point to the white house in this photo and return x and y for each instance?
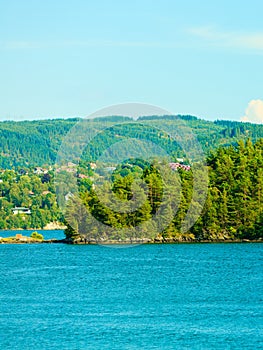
(21, 210)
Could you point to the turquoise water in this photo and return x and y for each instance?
(188, 296)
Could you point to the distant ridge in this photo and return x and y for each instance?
(36, 142)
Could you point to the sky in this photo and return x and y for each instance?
(61, 58)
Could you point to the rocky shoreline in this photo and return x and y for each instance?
(26, 240)
(49, 227)
(30, 240)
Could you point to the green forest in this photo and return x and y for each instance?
(232, 211)
(26, 189)
(233, 206)
(36, 143)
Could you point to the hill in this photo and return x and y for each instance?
(35, 143)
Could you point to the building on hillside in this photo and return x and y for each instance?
(176, 166)
(38, 170)
(82, 176)
(21, 210)
(93, 165)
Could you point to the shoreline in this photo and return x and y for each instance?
(33, 229)
(30, 240)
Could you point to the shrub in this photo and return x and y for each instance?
(37, 235)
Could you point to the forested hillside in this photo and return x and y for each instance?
(233, 208)
(35, 143)
(27, 200)
(31, 143)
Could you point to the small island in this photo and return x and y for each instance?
(19, 238)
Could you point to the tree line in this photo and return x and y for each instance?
(36, 143)
(232, 210)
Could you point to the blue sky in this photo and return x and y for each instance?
(65, 58)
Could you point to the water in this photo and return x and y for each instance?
(188, 296)
(48, 234)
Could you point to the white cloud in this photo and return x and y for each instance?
(254, 112)
(231, 39)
